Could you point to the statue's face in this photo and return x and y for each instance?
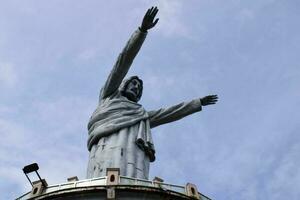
(133, 89)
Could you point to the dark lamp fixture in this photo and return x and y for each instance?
(32, 168)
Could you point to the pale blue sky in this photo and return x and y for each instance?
(55, 56)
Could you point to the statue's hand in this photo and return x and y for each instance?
(208, 100)
(148, 21)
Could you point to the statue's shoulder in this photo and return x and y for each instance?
(116, 95)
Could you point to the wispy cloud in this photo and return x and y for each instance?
(8, 74)
(172, 23)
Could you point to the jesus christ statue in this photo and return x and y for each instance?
(120, 128)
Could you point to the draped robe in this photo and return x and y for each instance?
(120, 129)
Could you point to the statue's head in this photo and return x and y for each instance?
(132, 88)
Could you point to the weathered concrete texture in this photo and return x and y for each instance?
(119, 150)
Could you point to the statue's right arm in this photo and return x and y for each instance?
(123, 63)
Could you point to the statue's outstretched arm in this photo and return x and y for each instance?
(128, 54)
(173, 113)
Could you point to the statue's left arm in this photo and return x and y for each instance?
(128, 54)
(176, 112)
(123, 64)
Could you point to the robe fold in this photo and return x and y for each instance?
(117, 113)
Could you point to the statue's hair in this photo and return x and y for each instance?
(125, 83)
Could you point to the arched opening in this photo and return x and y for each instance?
(193, 191)
(112, 178)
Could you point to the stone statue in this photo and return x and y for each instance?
(120, 128)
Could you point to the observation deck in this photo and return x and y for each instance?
(112, 186)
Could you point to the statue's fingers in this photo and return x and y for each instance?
(154, 12)
(148, 12)
(213, 101)
(151, 9)
(214, 98)
(146, 15)
(152, 15)
(155, 22)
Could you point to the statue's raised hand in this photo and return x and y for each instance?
(148, 21)
(208, 100)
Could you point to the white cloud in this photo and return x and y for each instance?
(4, 110)
(8, 74)
(171, 19)
(285, 182)
(154, 88)
(87, 54)
(48, 140)
(12, 135)
(74, 111)
(246, 14)
(15, 141)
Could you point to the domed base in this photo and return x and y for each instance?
(124, 188)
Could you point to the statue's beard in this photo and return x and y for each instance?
(131, 95)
